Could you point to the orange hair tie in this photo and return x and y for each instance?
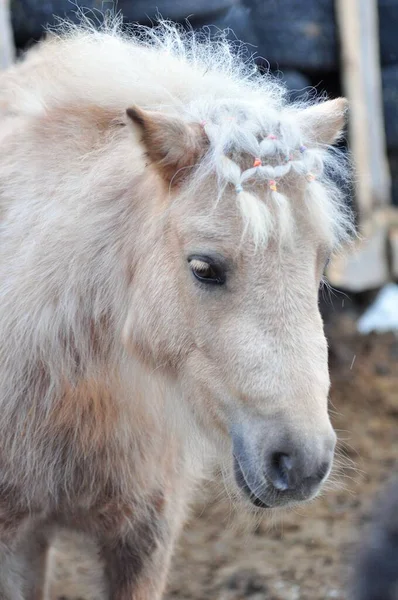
(257, 162)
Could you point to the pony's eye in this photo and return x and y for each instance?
(206, 271)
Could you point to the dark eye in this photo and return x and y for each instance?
(207, 271)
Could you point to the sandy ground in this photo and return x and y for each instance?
(308, 554)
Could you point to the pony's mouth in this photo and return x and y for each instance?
(244, 486)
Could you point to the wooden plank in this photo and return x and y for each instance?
(361, 74)
(7, 50)
(374, 259)
(393, 243)
(368, 266)
(365, 267)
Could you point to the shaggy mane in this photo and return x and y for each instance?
(206, 80)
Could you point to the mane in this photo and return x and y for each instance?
(212, 81)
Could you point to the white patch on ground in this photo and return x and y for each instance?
(382, 315)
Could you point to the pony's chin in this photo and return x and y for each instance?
(245, 488)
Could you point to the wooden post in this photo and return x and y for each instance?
(7, 51)
(359, 38)
(394, 249)
(368, 267)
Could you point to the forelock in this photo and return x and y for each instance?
(254, 146)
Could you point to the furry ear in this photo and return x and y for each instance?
(171, 144)
(324, 123)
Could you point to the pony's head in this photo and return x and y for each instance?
(244, 217)
(227, 295)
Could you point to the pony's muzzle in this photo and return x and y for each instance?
(284, 470)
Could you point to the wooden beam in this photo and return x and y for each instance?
(365, 266)
(368, 266)
(393, 240)
(7, 50)
(374, 259)
(358, 26)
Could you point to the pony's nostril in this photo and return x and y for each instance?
(323, 470)
(296, 471)
(280, 470)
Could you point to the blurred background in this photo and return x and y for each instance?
(344, 544)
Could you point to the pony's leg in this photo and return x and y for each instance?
(136, 553)
(33, 552)
(11, 565)
(131, 572)
(23, 549)
(10, 574)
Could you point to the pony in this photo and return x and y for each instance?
(166, 217)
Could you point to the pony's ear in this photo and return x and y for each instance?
(324, 123)
(171, 144)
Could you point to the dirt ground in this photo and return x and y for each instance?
(306, 554)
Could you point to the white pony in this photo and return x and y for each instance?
(165, 221)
